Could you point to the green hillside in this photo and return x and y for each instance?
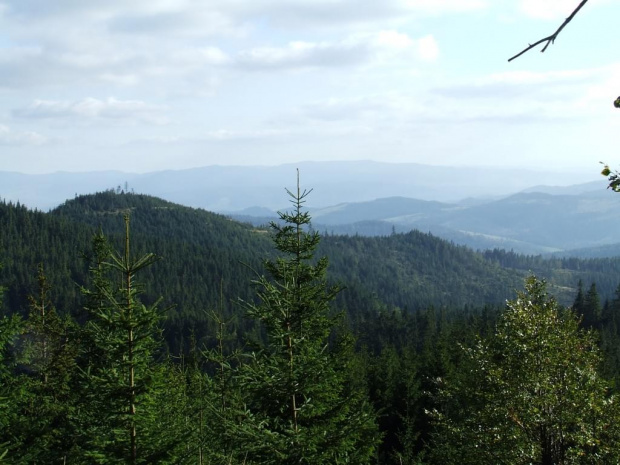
(412, 301)
(206, 256)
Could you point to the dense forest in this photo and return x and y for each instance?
(140, 331)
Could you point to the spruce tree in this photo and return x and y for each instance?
(579, 304)
(211, 400)
(300, 405)
(593, 313)
(47, 358)
(10, 327)
(126, 388)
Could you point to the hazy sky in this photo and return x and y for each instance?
(144, 85)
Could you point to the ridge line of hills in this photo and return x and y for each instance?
(233, 188)
(204, 253)
(527, 222)
(482, 208)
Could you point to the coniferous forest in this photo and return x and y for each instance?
(138, 331)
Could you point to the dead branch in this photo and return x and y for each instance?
(552, 37)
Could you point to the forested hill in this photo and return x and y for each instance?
(206, 256)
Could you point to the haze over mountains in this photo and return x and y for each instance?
(234, 188)
(525, 211)
(527, 222)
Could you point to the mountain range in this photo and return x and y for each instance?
(200, 249)
(481, 208)
(528, 222)
(234, 188)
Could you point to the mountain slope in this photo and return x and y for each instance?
(207, 256)
(528, 222)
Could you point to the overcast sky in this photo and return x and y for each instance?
(145, 85)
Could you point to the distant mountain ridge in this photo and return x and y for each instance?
(482, 208)
(234, 188)
(593, 187)
(533, 222)
(528, 222)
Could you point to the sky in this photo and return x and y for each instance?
(148, 85)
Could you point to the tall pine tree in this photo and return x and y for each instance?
(47, 358)
(300, 405)
(10, 327)
(126, 387)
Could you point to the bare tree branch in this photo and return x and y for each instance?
(552, 37)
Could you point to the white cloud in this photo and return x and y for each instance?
(532, 77)
(553, 9)
(395, 47)
(69, 43)
(527, 96)
(45, 66)
(428, 49)
(546, 9)
(233, 135)
(602, 91)
(120, 79)
(445, 6)
(339, 109)
(92, 108)
(360, 49)
(304, 55)
(234, 9)
(201, 56)
(20, 138)
(188, 21)
(393, 39)
(307, 14)
(522, 85)
(214, 136)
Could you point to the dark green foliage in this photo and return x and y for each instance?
(29, 238)
(200, 249)
(214, 400)
(38, 377)
(410, 300)
(300, 405)
(48, 353)
(10, 391)
(610, 340)
(612, 176)
(561, 273)
(126, 389)
(412, 271)
(406, 354)
(593, 312)
(579, 305)
(395, 389)
(202, 433)
(587, 306)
